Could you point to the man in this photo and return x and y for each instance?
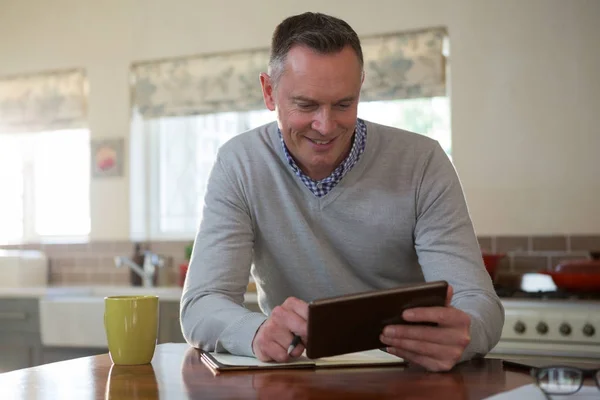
(324, 204)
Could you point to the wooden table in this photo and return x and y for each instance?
(176, 372)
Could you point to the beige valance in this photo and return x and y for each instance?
(397, 66)
(404, 66)
(42, 102)
(199, 85)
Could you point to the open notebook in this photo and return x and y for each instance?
(219, 362)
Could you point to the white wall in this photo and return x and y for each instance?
(525, 89)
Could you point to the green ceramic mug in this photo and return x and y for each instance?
(131, 324)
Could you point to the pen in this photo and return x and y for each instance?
(295, 341)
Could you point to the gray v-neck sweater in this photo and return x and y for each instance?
(398, 216)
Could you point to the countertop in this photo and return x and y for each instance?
(176, 372)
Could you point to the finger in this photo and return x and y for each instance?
(424, 361)
(276, 352)
(279, 354)
(283, 337)
(277, 344)
(443, 316)
(272, 342)
(298, 350)
(432, 350)
(270, 350)
(287, 318)
(298, 306)
(449, 295)
(429, 334)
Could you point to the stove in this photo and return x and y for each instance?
(541, 321)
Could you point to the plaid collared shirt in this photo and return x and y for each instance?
(324, 186)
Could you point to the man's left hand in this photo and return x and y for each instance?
(437, 348)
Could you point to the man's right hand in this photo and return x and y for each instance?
(274, 336)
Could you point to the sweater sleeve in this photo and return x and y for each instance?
(213, 317)
(447, 249)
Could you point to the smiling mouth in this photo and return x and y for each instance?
(320, 141)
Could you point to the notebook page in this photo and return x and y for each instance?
(243, 361)
(362, 357)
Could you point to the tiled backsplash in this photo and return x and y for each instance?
(535, 253)
(93, 263)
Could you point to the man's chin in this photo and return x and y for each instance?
(321, 165)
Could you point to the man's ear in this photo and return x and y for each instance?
(267, 90)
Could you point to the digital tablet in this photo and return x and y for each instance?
(352, 323)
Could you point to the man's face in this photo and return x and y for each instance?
(316, 102)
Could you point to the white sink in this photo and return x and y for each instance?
(72, 321)
(76, 319)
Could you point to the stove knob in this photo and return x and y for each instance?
(588, 330)
(542, 328)
(565, 329)
(520, 327)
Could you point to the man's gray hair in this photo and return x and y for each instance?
(322, 33)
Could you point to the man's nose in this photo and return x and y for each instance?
(324, 122)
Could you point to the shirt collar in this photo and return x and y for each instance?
(358, 147)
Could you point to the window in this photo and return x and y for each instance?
(167, 202)
(178, 153)
(428, 116)
(44, 178)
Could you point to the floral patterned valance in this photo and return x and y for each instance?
(200, 85)
(43, 102)
(404, 65)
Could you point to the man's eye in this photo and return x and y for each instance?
(306, 106)
(344, 105)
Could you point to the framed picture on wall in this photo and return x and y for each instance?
(107, 157)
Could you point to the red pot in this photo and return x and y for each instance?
(490, 260)
(577, 275)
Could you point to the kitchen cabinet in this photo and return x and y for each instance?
(19, 334)
(18, 351)
(19, 315)
(20, 338)
(169, 328)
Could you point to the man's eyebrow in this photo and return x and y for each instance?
(345, 99)
(309, 100)
(302, 98)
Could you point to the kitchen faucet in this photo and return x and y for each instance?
(147, 271)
